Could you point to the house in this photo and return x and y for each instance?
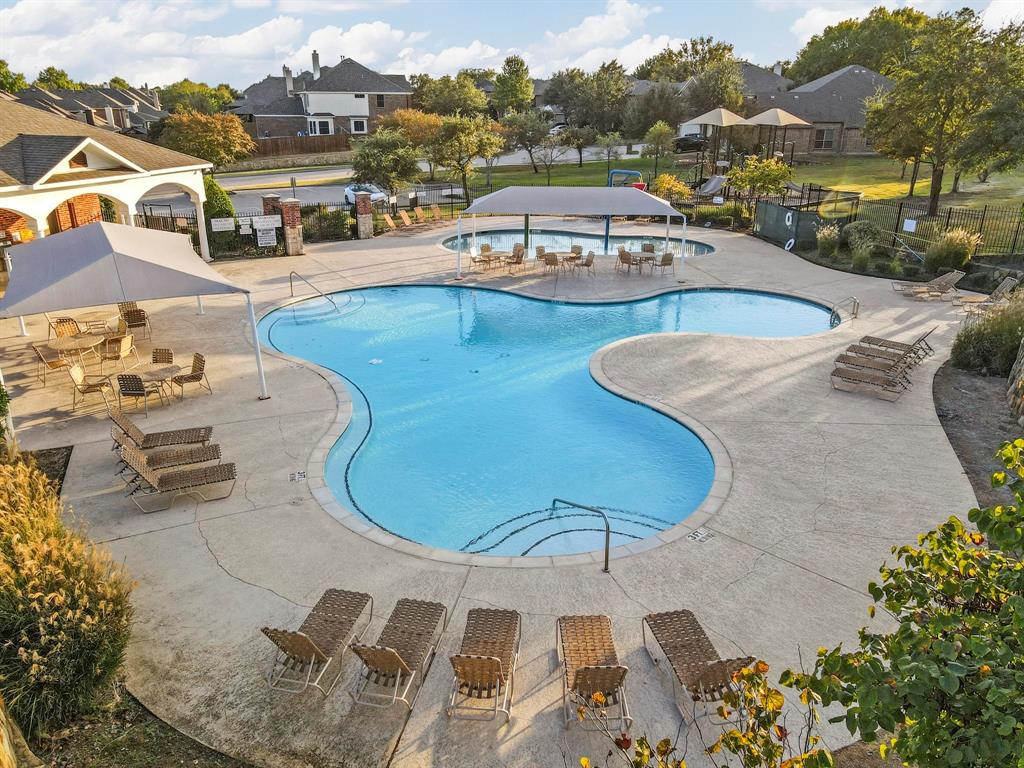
(126, 110)
(761, 80)
(55, 173)
(345, 99)
(833, 104)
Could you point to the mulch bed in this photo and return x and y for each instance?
(53, 462)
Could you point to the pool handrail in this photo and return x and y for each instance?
(596, 511)
(291, 286)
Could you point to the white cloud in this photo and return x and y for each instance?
(999, 13)
(333, 6)
(448, 61)
(276, 35)
(372, 43)
(619, 20)
(250, 3)
(814, 20)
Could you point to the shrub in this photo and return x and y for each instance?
(989, 344)
(861, 257)
(952, 250)
(911, 270)
(64, 610)
(828, 240)
(857, 232)
(896, 267)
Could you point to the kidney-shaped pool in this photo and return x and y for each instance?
(473, 409)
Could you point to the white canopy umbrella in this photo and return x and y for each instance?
(777, 118)
(104, 263)
(719, 117)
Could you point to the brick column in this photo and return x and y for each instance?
(364, 216)
(271, 204)
(291, 221)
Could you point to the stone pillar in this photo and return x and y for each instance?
(291, 222)
(364, 216)
(271, 204)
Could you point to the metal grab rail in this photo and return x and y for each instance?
(596, 511)
(911, 251)
(854, 303)
(291, 286)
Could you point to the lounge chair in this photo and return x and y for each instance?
(49, 360)
(171, 458)
(485, 665)
(87, 385)
(132, 385)
(178, 482)
(124, 432)
(920, 347)
(421, 217)
(852, 379)
(404, 650)
(389, 222)
(695, 665)
(1000, 294)
(406, 221)
(592, 677)
(196, 376)
(585, 264)
(937, 288)
(304, 656)
(877, 353)
(898, 369)
(435, 211)
(118, 349)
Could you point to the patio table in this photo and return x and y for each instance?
(97, 318)
(78, 344)
(156, 372)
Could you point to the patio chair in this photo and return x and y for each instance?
(137, 319)
(1000, 293)
(406, 221)
(592, 677)
(169, 459)
(132, 385)
(389, 222)
(121, 329)
(421, 217)
(898, 369)
(939, 287)
(552, 263)
(475, 258)
(118, 349)
(87, 385)
(126, 306)
(304, 656)
(920, 346)
(627, 261)
(585, 264)
(196, 376)
(124, 431)
(162, 356)
(516, 259)
(66, 326)
(883, 385)
(179, 482)
(404, 650)
(49, 360)
(647, 248)
(665, 261)
(695, 665)
(485, 665)
(435, 211)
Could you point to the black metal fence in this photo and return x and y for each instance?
(323, 222)
(241, 241)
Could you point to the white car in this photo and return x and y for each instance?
(376, 195)
(557, 129)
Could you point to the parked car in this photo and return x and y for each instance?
(376, 195)
(690, 143)
(557, 128)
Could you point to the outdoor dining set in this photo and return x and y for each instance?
(101, 336)
(573, 261)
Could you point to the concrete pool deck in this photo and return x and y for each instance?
(823, 484)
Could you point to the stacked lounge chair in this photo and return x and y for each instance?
(880, 366)
(942, 287)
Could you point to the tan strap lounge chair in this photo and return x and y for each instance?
(174, 483)
(406, 221)
(999, 294)
(49, 360)
(435, 211)
(591, 674)
(939, 287)
(304, 656)
(87, 385)
(403, 653)
(898, 369)
(878, 353)
(882, 385)
(920, 347)
(171, 458)
(388, 221)
(695, 665)
(125, 432)
(421, 217)
(485, 665)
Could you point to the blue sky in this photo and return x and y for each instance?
(240, 41)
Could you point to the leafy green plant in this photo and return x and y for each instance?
(858, 232)
(952, 250)
(828, 240)
(989, 344)
(946, 682)
(861, 260)
(759, 177)
(896, 267)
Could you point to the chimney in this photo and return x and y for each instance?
(108, 115)
(777, 69)
(316, 65)
(156, 96)
(288, 85)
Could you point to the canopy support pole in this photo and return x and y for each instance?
(9, 433)
(526, 232)
(199, 305)
(473, 217)
(682, 251)
(607, 233)
(264, 395)
(668, 225)
(458, 248)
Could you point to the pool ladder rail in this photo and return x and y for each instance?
(291, 286)
(854, 308)
(607, 526)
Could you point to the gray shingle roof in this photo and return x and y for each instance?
(349, 76)
(758, 79)
(838, 97)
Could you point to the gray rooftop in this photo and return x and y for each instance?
(838, 97)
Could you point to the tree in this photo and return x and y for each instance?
(386, 158)
(579, 139)
(513, 88)
(661, 102)
(463, 139)
(449, 95)
(53, 78)
(759, 177)
(691, 58)
(525, 131)
(419, 127)
(894, 136)
(659, 142)
(880, 40)
(189, 96)
(567, 90)
(219, 139)
(720, 85)
(606, 92)
(609, 144)
(671, 188)
(119, 82)
(549, 152)
(12, 82)
(946, 681)
(218, 203)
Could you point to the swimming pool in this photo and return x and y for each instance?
(563, 240)
(473, 409)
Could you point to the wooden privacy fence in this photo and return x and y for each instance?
(301, 145)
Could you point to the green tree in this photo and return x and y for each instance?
(609, 144)
(12, 82)
(567, 90)
(513, 88)
(759, 177)
(219, 139)
(659, 141)
(218, 203)
(386, 158)
(189, 96)
(720, 85)
(579, 139)
(53, 78)
(119, 82)
(525, 131)
(670, 188)
(420, 128)
(606, 93)
(662, 102)
(449, 95)
(549, 152)
(691, 58)
(462, 140)
(878, 41)
(894, 136)
(946, 681)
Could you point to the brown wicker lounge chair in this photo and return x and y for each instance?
(882, 385)
(485, 665)
(920, 347)
(421, 217)
(695, 664)
(591, 674)
(125, 432)
(303, 656)
(898, 369)
(171, 458)
(404, 650)
(865, 350)
(175, 483)
(406, 221)
(435, 211)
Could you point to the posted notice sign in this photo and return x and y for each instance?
(266, 237)
(910, 225)
(222, 225)
(265, 222)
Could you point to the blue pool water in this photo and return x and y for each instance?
(559, 240)
(473, 409)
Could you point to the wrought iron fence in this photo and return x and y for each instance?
(326, 221)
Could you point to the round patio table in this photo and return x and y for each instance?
(77, 344)
(96, 318)
(155, 371)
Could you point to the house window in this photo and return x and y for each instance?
(824, 138)
(380, 100)
(360, 95)
(320, 128)
(358, 126)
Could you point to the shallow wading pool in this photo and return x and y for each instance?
(473, 409)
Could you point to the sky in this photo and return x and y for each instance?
(241, 41)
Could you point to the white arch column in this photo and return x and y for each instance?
(204, 239)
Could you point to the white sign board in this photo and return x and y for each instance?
(244, 221)
(910, 225)
(244, 228)
(222, 225)
(265, 222)
(717, 199)
(266, 237)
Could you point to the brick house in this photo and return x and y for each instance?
(125, 110)
(345, 99)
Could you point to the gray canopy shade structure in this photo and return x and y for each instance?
(571, 201)
(104, 263)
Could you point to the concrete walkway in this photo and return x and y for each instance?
(824, 483)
